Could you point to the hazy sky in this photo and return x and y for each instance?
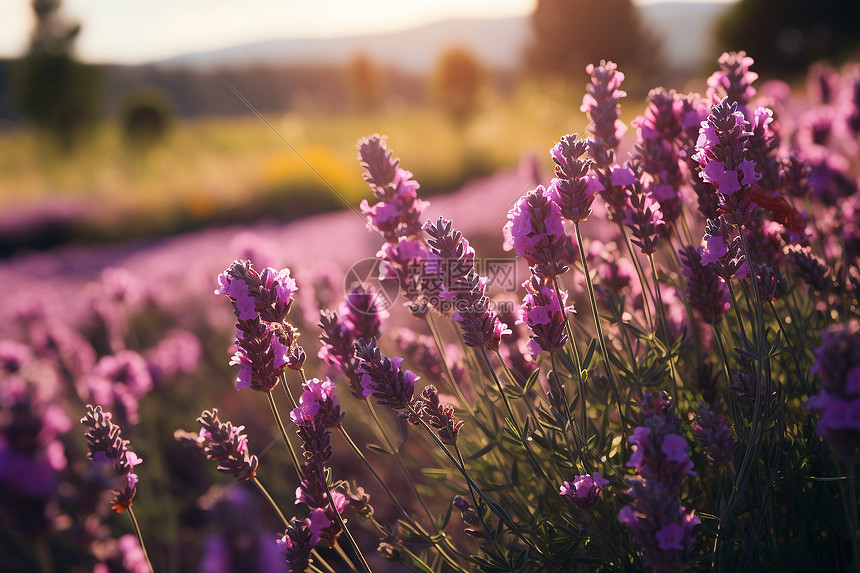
(136, 31)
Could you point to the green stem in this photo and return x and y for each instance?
(646, 292)
(663, 324)
(137, 532)
(405, 471)
(271, 501)
(601, 338)
(511, 525)
(346, 532)
(431, 323)
(277, 416)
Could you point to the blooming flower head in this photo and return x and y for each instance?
(268, 294)
(536, 232)
(573, 188)
(104, 442)
(721, 149)
(545, 315)
(318, 402)
(734, 80)
(584, 489)
(705, 291)
(261, 355)
(223, 443)
(601, 102)
(384, 378)
(398, 212)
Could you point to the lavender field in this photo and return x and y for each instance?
(639, 351)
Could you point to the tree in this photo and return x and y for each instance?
(570, 34)
(54, 92)
(364, 83)
(788, 35)
(456, 82)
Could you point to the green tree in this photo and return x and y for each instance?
(570, 34)
(788, 35)
(54, 92)
(457, 81)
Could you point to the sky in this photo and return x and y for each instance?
(139, 31)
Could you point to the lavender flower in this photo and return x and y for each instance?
(296, 544)
(104, 442)
(453, 263)
(262, 351)
(643, 215)
(705, 291)
(660, 524)
(536, 232)
(545, 316)
(734, 80)
(398, 212)
(601, 102)
(268, 294)
(722, 252)
(663, 116)
(838, 401)
(722, 148)
(318, 402)
(439, 416)
(584, 489)
(223, 443)
(384, 378)
(810, 267)
(713, 433)
(361, 313)
(338, 352)
(573, 188)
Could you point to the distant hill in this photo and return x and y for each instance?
(496, 42)
(685, 28)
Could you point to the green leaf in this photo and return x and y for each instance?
(483, 451)
(531, 381)
(589, 354)
(379, 450)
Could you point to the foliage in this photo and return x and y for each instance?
(457, 82)
(569, 34)
(55, 92)
(146, 117)
(789, 35)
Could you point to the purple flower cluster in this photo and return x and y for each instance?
(535, 230)
(572, 188)
(106, 446)
(318, 403)
(721, 149)
(313, 491)
(119, 381)
(583, 491)
(601, 103)
(384, 379)
(264, 341)
(837, 362)
(705, 291)
(733, 81)
(398, 212)
(223, 443)
(394, 386)
(545, 315)
(642, 213)
(32, 454)
(661, 526)
(297, 543)
(452, 262)
(714, 435)
(359, 318)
